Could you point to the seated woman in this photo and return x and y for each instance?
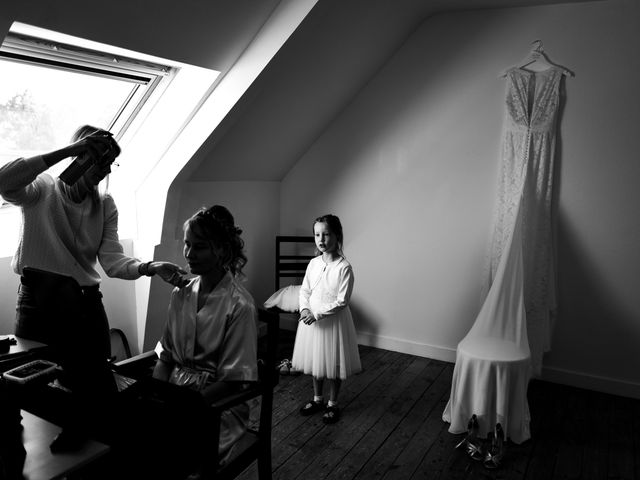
(210, 338)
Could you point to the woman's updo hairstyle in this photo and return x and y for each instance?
(333, 222)
(217, 225)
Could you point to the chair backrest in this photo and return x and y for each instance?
(119, 345)
(292, 256)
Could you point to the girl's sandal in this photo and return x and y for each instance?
(311, 407)
(285, 367)
(331, 415)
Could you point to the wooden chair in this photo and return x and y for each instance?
(493, 361)
(119, 345)
(293, 254)
(256, 444)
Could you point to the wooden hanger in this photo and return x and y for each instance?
(538, 57)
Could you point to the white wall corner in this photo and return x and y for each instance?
(612, 386)
(435, 352)
(152, 195)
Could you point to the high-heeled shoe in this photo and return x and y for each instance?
(495, 452)
(470, 443)
(465, 440)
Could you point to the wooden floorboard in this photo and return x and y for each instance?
(431, 385)
(362, 392)
(429, 422)
(636, 439)
(570, 437)
(546, 413)
(621, 461)
(392, 428)
(365, 411)
(376, 425)
(596, 442)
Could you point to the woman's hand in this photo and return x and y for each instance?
(91, 148)
(307, 317)
(169, 272)
(95, 146)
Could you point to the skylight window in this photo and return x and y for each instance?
(148, 102)
(50, 88)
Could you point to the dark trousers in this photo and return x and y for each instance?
(55, 310)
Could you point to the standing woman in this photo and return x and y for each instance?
(68, 226)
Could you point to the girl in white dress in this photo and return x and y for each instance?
(326, 346)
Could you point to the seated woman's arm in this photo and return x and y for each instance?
(218, 390)
(162, 370)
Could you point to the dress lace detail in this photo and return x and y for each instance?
(526, 170)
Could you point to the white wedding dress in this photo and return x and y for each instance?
(526, 169)
(496, 359)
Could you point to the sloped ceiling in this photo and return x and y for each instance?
(329, 58)
(206, 33)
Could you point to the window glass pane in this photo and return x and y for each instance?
(41, 107)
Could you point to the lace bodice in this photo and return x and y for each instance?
(532, 99)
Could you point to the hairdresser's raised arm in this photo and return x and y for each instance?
(17, 174)
(91, 144)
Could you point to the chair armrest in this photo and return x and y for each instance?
(231, 400)
(137, 358)
(137, 364)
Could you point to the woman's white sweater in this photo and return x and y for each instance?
(60, 235)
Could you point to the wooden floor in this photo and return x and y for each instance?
(392, 428)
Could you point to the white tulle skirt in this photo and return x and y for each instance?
(327, 348)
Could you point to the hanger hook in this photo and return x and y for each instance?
(537, 46)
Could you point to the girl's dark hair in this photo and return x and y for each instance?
(333, 222)
(217, 225)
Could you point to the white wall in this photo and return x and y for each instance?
(8, 293)
(254, 206)
(410, 167)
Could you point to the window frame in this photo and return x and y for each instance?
(43, 52)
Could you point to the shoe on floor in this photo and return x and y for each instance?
(331, 415)
(311, 407)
